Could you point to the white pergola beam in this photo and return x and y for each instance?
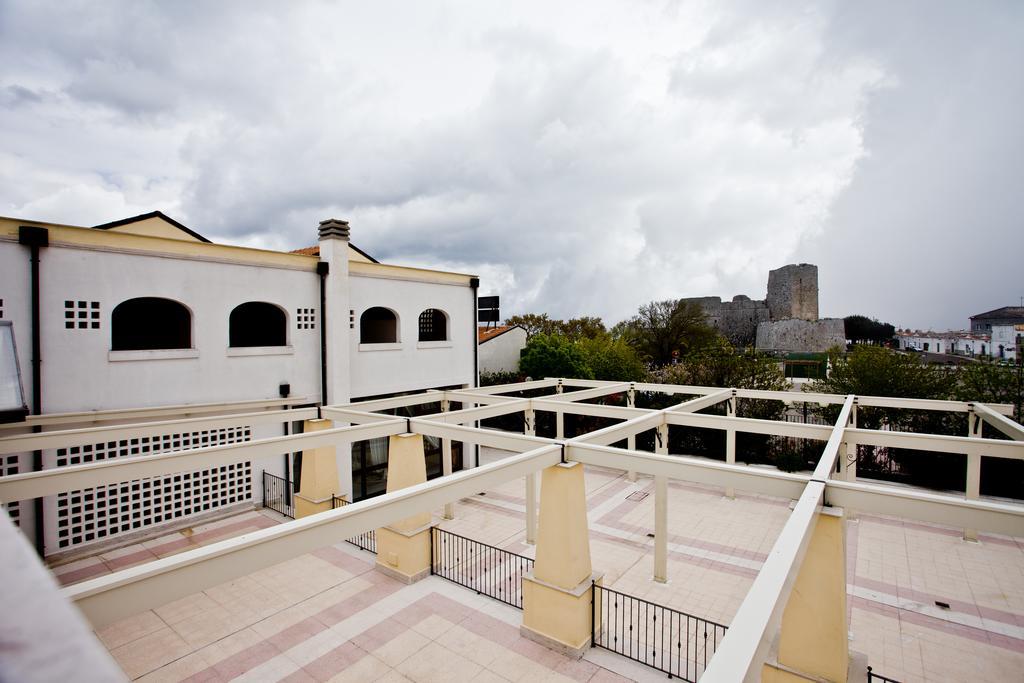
(955, 511)
(999, 421)
(118, 470)
(596, 392)
(136, 414)
(108, 598)
(750, 425)
(748, 642)
(995, 448)
(88, 435)
(770, 482)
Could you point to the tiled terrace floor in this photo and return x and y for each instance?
(328, 616)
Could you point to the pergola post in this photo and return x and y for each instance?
(530, 429)
(446, 461)
(557, 610)
(730, 442)
(973, 491)
(403, 548)
(813, 642)
(319, 479)
(851, 449)
(661, 529)
(631, 440)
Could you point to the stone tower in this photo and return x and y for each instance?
(793, 292)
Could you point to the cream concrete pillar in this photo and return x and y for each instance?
(813, 642)
(730, 443)
(530, 429)
(661, 529)
(446, 462)
(557, 593)
(319, 480)
(403, 548)
(631, 441)
(973, 492)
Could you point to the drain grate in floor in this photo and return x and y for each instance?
(637, 496)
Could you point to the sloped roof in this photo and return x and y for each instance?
(315, 251)
(147, 216)
(1004, 312)
(487, 333)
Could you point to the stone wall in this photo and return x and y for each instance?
(801, 335)
(735, 320)
(793, 292)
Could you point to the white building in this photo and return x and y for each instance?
(145, 312)
(1007, 340)
(955, 342)
(500, 348)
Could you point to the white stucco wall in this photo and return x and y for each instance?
(409, 364)
(80, 372)
(501, 353)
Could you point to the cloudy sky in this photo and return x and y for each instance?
(583, 158)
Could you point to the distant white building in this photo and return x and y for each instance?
(1007, 341)
(500, 348)
(953, 342)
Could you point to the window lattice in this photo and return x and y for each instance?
(95, 513)
(83, 315)
(305, 318)
(9, 465)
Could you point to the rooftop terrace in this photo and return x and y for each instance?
(729, 543)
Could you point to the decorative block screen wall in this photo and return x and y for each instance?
(97, 513)
(82, 315)
(305, 318)
(9, 465)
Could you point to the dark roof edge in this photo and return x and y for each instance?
(151, 214)
(1004, 310)
(363, 253)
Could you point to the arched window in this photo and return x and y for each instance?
(150, 323)
(257, 323)
(378, 326)
(433, 325)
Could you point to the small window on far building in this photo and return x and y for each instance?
(150, 323)
(257, 323)
(378, 325)
(433, 325)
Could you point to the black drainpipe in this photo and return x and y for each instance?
(322, 268)
(34, 238)
(474, 282)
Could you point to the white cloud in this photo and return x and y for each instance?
(581, 159)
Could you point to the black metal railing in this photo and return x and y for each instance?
(278, 495)
(487, 569)
(879, 677)
(366, 540)
(662, 638)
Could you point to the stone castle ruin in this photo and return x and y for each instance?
(786, 320)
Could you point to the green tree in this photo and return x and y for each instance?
(860, 329)
(662, 327)
(990, 383)
(552, 355)
(612, 360)
(585, 327)
(534, 323)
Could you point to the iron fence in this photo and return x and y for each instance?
(879, 677)
(489, 570)
(278, 495)
(662, 638)
(367, 540)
